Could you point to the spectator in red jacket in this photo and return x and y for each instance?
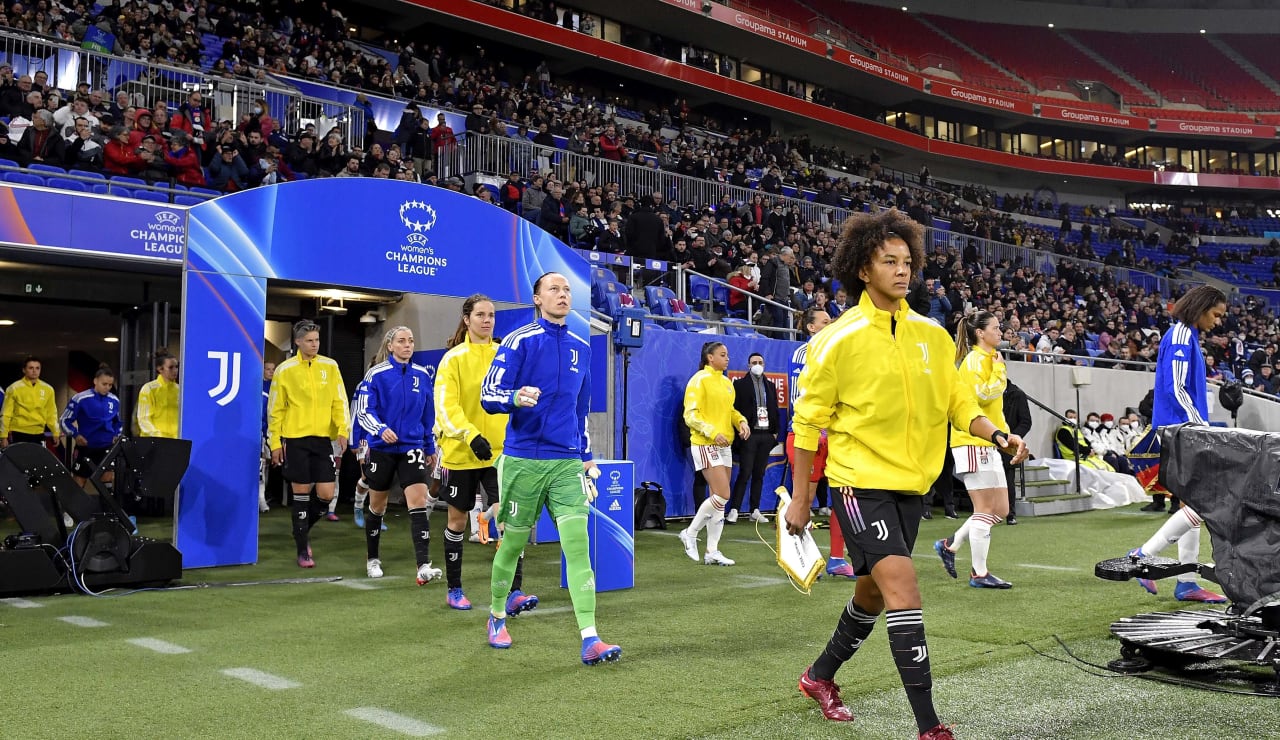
(121, 154)
(141, 127)
(512, 192)
(442, 136)
(192, 117)
(611, 144)
(183, 162)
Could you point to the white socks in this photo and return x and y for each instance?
(702, 516)
(362, 494)
(716, 525)
(1189, 552)
(1173, 529)
(977, 530)
(980, 540)
(333, 503)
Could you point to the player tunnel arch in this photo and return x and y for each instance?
(348, 232)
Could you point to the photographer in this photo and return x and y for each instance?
(227, 171)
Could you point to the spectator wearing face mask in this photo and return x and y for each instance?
(1110, 441)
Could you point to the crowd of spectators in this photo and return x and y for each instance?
(763, 246)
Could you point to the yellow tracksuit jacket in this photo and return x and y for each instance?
(29, 407)
(885, 387)
(459, 417)
(708, 407)
(157, 411)
(985, 376)
(307, 399)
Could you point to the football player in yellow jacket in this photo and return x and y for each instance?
(712, 422)
(882, 381)
(29, 408)
(977, 461)
(308, 412)
(157, 411)
(470, 441)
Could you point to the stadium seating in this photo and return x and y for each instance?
(903, 35)
(1040, 56)
(24, 178)
(63, 183)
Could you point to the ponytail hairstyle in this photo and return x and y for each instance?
(967, 332)
(707, 350)
(104, 371)
(384, 349)
(469, 305)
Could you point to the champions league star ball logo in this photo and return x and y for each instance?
(417, 216)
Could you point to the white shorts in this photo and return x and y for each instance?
(979, 467)
(707, 456)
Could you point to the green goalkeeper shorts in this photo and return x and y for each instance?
(526, 485)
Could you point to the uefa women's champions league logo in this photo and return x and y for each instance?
(415, 256)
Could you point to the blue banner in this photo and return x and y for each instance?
(354, 232)
(45, 219)
(654, 401)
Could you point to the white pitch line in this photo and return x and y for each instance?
(759, 581)
(394, 722)
(82, 621)
(158, 646)
(1049, 567)
(357, 585)
(22, 603)
(261, 679)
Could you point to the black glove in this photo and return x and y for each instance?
(480, 446)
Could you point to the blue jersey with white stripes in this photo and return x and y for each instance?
(1181, 389)
(397, 396)
(547, 356)
(94, 416)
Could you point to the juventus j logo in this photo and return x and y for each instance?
(573, 357)
(226, 361)
(921, 652)
(882, 531)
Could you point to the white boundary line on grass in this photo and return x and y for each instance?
(261, 679)
(749, 581)
(82, 621)
(394, 722)
(1062, 568)
(22, 603)
(158, 646)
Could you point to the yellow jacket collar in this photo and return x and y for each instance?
(879, 317)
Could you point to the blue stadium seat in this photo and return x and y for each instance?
(740, 328)
(9, 163)
(122, 180)
(151, 195)
(87, 175)
(206, 191)
(187, 200)
(41, 167)
(24, 178)
(659, 299)
(63, 183)
(699, 289)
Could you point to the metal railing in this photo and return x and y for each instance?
(484, 153)
(753, 299)
(148, 83)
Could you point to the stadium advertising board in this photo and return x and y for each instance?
(1227, 130)
(1094, 117)
(61, 221)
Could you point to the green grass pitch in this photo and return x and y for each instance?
(707, 652)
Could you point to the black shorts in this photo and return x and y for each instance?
(24, 437)
(458, 487)
(308, 460)
(87, 460)
(876, 523)
(381, 468)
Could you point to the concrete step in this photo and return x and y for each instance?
(1037, 472)
(1048, 505)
